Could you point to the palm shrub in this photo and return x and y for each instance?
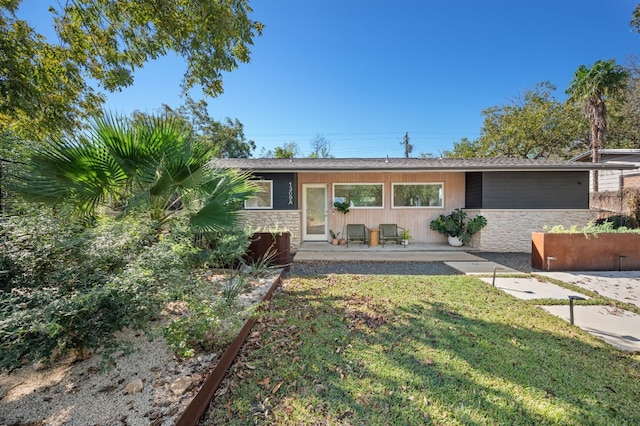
(152, 164)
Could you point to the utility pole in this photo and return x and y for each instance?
(408, 148)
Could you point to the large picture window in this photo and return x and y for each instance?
(263, 198)
(359, 194)
(408, 195)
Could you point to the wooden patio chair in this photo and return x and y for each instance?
(356, 232)
(391, 232)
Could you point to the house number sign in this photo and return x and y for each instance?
(290, 193)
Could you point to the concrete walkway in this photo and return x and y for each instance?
(461, 259)
(619, 285)
(532, 288)
(615, 326)
(358, 252)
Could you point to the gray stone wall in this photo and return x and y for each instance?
(510, 230)
(271, 220)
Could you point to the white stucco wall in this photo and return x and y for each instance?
(510, 230)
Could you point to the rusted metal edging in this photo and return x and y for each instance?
(199, 404)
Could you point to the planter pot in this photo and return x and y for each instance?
(334, 241)
(454, 241)
(576, 252)
(342, 242)
(405, 242)
(264, 243)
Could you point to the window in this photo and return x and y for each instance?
(417, 195)
(359, 194)
(263, 198)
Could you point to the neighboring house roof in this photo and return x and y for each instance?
(411, 164)
(618, 154)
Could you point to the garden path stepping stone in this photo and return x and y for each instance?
(615, 326)
(481, 268)
(531, 288)
(620, 285)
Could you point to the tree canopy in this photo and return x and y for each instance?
(534, 125)
(225, 139)
(44, 85)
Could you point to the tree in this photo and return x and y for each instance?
(288, 150)
(152, 165)
(635, 19)
(321, 147)
(45, 84)
(225, 139)
(41, 88)
(408, 148)
(533, 125)
(623, 112)
(590, 87)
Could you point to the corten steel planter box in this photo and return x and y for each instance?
(577, 252)
(263, 243)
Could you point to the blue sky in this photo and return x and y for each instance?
(362, 73)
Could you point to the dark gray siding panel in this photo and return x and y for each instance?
(473, 190)
(285, 193)
(535, 190)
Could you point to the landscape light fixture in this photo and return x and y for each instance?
(571, 299)
(494, 274)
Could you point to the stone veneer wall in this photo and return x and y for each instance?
(276, 220)
(510, 230)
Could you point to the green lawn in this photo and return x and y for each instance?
(442, 350)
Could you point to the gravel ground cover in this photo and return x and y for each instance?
(149, 387)
(518, 261)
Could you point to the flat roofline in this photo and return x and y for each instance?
(303, 165)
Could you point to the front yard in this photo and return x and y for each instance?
(447, 350)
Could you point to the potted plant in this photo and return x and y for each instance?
(458, 227)
(342, 207)
(334, 237)
(405, 237)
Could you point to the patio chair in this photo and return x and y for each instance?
(356, 232)
(390, 232)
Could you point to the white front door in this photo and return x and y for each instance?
(314, 212)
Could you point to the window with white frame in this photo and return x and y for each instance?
(359, 195)
(417, 195)
(263, 198)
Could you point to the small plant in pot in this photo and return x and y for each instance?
(405, 237)
(334, 237)
(342, 207)
(458, 227)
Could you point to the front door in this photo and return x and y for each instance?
(315, 213)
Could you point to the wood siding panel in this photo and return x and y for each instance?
(415, 219)
(631, 181)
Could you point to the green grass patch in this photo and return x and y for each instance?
(446, 350)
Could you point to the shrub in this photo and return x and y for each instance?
(591, 228)
(69, 287)
(207, 324)
(224, 249)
